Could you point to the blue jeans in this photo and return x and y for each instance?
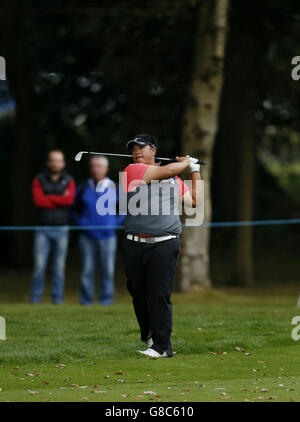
(104, 251)
(56, 242)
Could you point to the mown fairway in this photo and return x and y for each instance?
(230, 346)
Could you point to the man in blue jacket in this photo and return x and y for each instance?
(97, 244)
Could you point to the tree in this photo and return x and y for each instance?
(238, 134)
(200, 126)
(253, 73)
(22, 163)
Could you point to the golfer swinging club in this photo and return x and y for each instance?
(151, 245)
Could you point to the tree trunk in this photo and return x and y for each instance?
(238, 133)
(25, 137)
(243, 260)
(199, 130)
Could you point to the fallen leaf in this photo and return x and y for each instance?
(239, 349)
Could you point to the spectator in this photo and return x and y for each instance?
(53, 194)
(97, 244)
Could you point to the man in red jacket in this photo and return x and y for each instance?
(53, 193)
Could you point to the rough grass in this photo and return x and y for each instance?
(52, 351)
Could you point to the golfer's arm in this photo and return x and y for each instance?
(193, 198)
(165, 172)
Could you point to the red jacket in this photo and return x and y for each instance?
(53, 199)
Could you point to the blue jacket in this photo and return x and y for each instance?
(84, 210)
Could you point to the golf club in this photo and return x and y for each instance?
(79, 156)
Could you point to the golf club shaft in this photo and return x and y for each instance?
(79, 155)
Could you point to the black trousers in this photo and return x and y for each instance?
(150, 271)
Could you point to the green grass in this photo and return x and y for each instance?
(52, 351)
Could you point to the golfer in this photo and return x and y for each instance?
(151, 245)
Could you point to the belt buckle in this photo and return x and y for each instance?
(150, 239)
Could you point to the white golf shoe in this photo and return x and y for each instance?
(153, 353)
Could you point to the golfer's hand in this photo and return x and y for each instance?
(193, 164)
(183, 159)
